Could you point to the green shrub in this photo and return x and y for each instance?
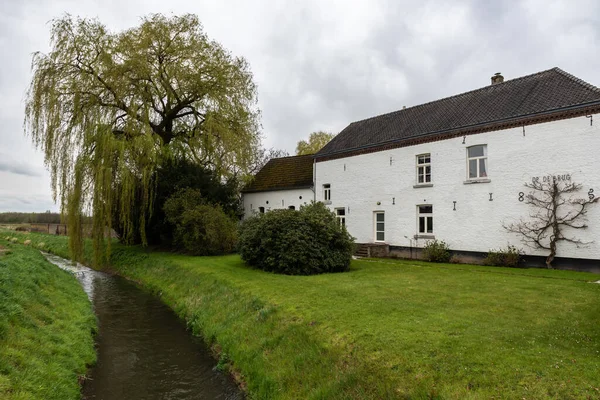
(436, 251)
(199, 228)
(509, 257)
(456, 259)
(172, 176)
(304, 242)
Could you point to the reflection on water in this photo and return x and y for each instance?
(84, 275)
(144, 350)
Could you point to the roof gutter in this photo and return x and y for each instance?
(465, 127)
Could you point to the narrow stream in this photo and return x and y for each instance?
(144, 350)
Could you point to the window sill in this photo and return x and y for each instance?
(478, 180)
(424, 236)
(422, 185)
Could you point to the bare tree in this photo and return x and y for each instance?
(557, 213)
(263, 156)
(260, 158)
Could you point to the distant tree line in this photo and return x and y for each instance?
(29, 218)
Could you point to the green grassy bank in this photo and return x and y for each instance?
(386, 329)
(46, 328)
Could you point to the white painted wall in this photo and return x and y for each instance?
(358, 183)
(277, 199)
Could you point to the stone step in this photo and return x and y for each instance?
(362, 251)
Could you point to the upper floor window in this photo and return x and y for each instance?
(424, 168)
(261, 210)
(477, 161)
(327, 192)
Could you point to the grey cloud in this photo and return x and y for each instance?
(18, 168)
(321, 64)
(26, 203)
(418, 53)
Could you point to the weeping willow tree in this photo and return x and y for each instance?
(108, 108)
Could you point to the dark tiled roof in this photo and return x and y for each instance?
(284, 173)
(542, 92)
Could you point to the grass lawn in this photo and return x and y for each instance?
(386, 329)
(46, 328)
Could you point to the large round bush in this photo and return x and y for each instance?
(304, 242)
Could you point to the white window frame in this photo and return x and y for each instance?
(327, 192)
(375, 222)
(421, 165)
(477, 159)
(428, 222)
(341, 217)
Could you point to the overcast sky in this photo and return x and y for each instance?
(319, 65)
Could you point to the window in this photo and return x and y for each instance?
(341, 216)
(424, 168)
(327, 192)
(261, 210)
(379, 226)
(477, 161)
(291, 207)
(425, 219)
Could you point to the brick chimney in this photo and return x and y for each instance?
(497, 78)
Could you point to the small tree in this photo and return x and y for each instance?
(556, 211)
(316, 141)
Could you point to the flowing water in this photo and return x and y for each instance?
(144, 350)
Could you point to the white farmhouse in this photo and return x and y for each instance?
(454, 169)
(285, 182)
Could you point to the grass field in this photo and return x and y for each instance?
(386, 329)
(46, 328)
